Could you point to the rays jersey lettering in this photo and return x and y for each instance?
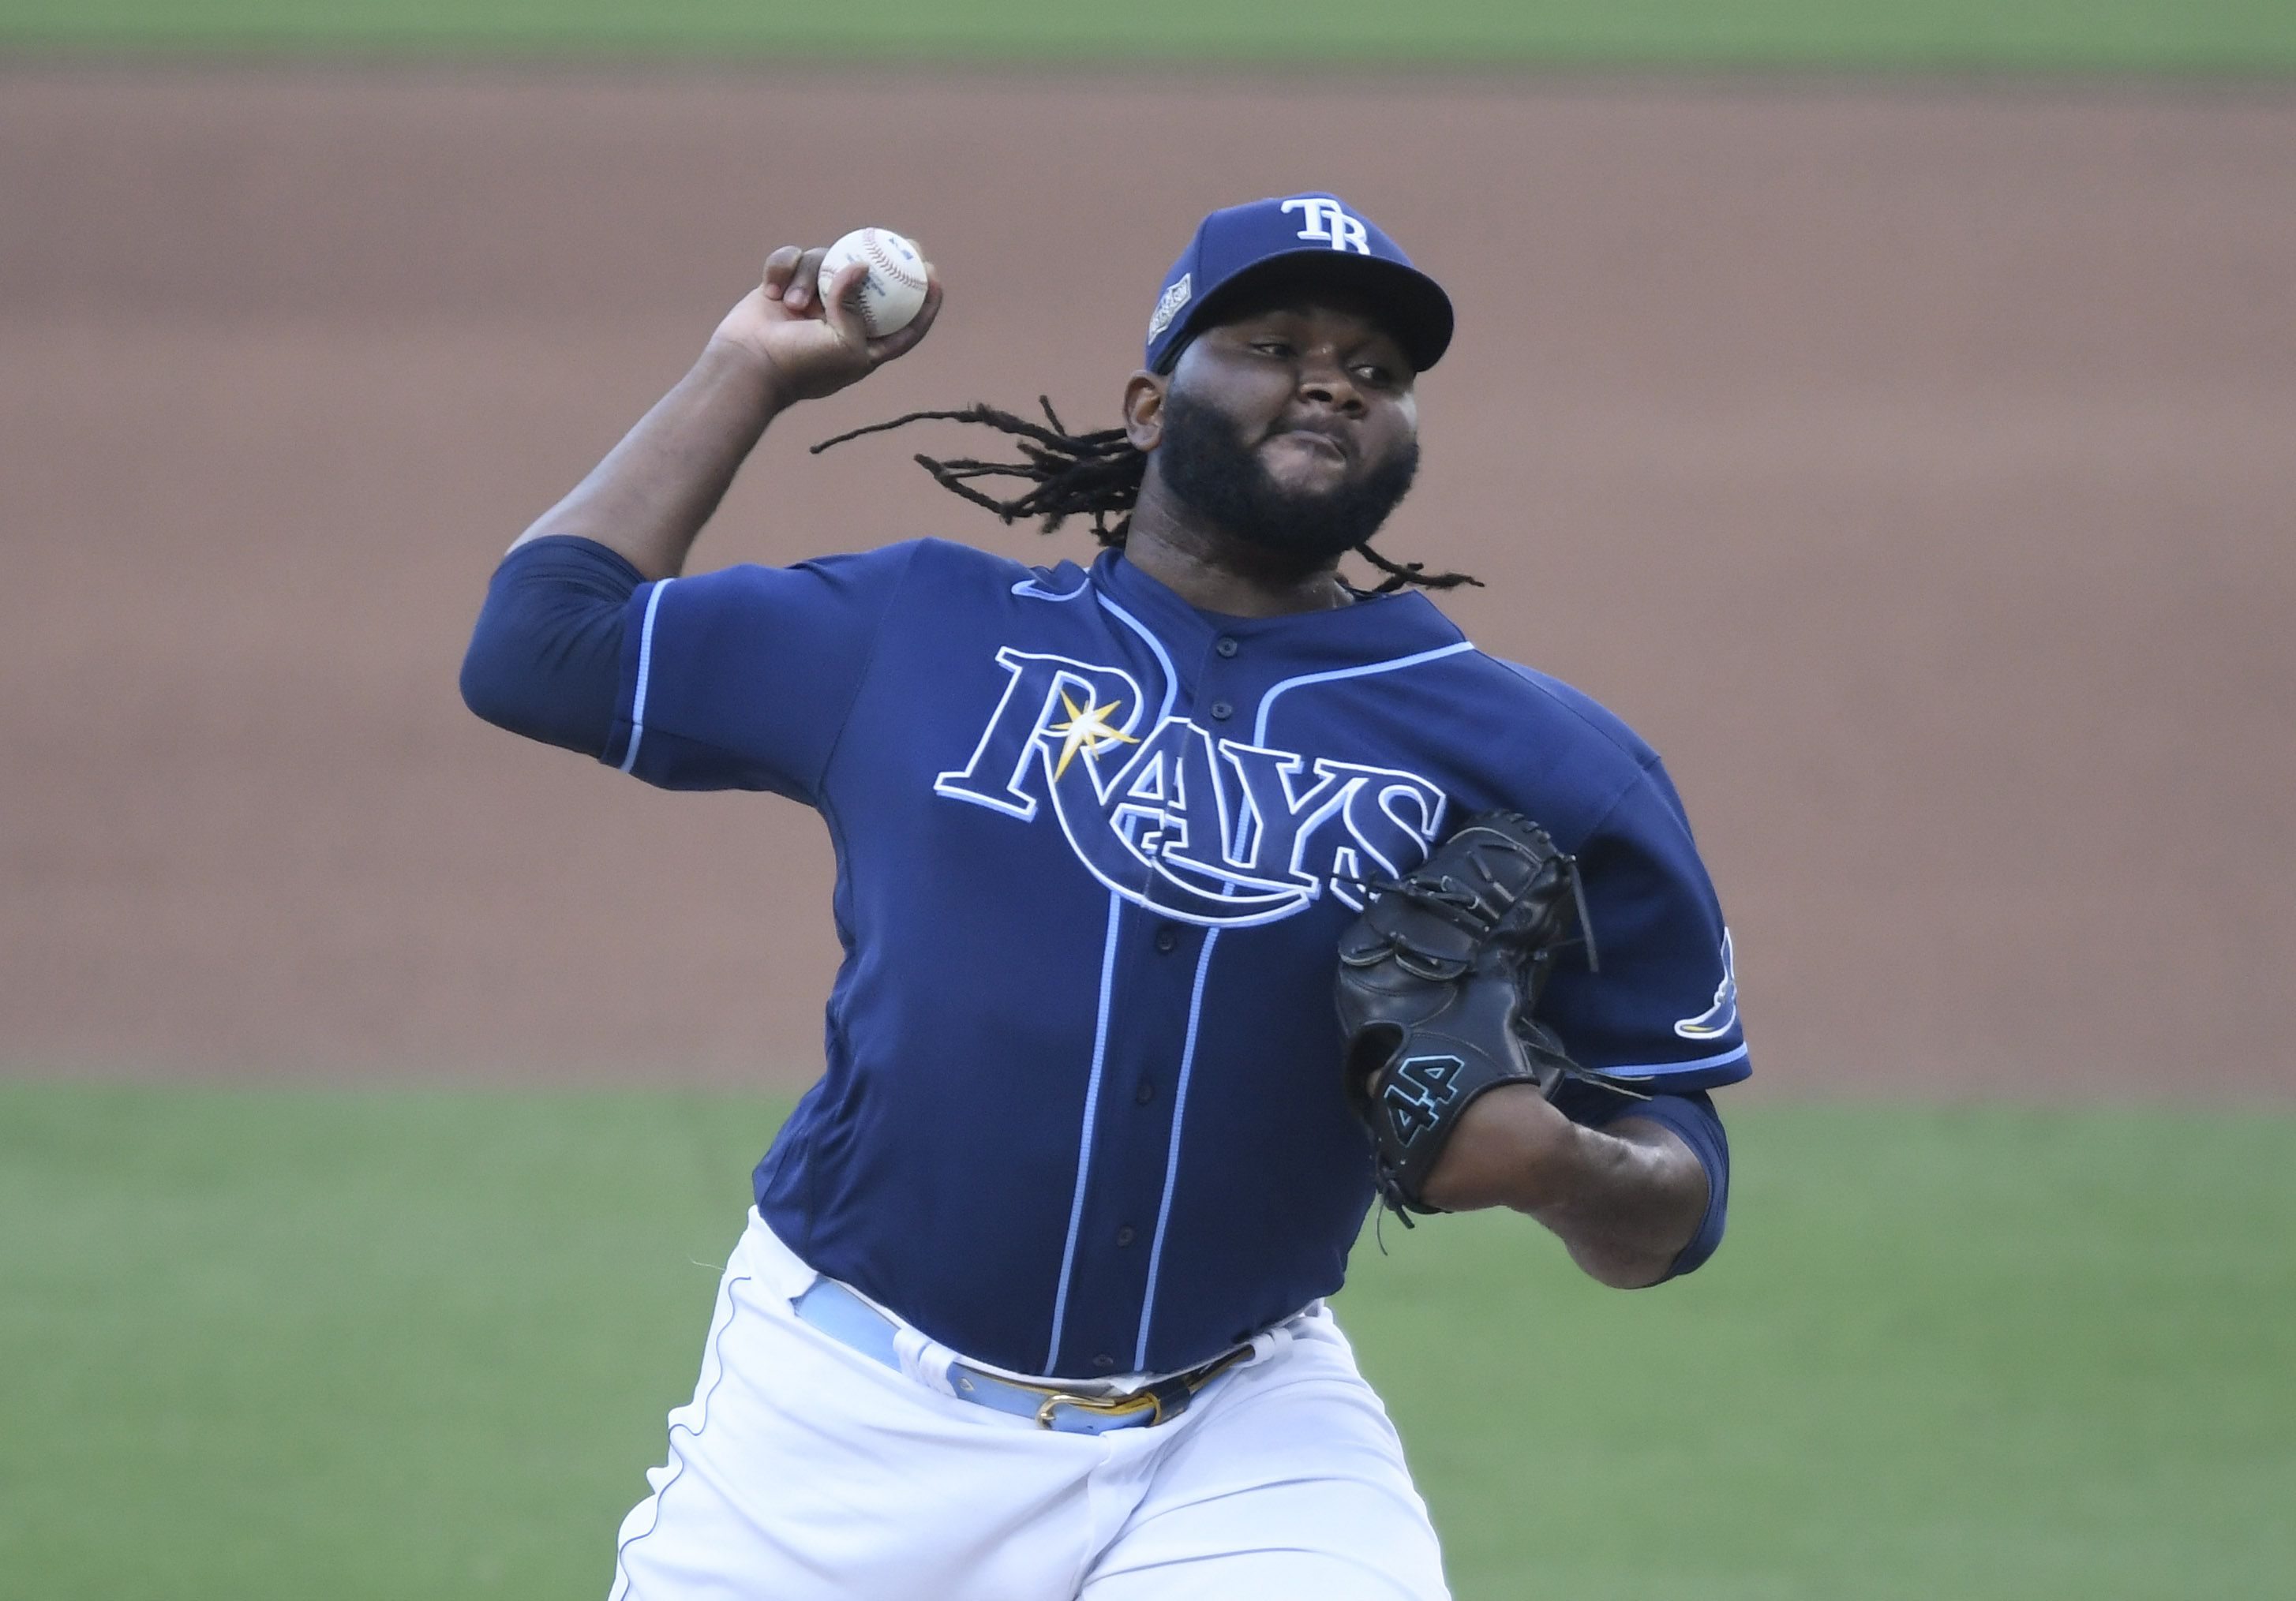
(1208, 829)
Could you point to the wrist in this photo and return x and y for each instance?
(734, 361)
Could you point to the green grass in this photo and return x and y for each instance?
(1982, 1353)
(2029, 34)
(304, 1343)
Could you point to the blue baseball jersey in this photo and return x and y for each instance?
(1082, 1110)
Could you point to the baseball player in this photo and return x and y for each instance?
(1032, 1302)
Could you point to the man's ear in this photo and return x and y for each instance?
(1143, 410)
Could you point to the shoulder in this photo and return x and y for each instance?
(935, 568)
(949, 562)
(1572, 713)
(1574, 758)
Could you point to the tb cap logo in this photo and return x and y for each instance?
(1328, 222)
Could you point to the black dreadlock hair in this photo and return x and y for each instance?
(1095, 475)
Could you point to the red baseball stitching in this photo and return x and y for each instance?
(880, 256)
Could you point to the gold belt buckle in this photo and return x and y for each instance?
(1114, 1405)
(1183, 1388)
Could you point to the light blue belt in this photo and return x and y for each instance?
(848, 1320)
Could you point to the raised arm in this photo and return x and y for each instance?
(545, 657)
(649, 498)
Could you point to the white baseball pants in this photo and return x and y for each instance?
(804, 1471)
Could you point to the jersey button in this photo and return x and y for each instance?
(1222, 710)
(1124, 1236)
(1103, 1362)
(1168, 939)
(1225, 645)
(1145, 1093)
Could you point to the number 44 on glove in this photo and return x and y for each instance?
(1437, 984)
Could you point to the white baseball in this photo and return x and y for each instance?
(890, 297)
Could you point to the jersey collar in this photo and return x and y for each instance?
(1376, 628)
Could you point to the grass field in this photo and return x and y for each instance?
(2252, 35)
(324, 1343)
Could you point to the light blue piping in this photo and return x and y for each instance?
(1171, 679)
(693, 1431)
(1268, 701)
(1099, 1026)
(1662, 1069)
(1091, 1115)
(645, 670)
(1172, 1153)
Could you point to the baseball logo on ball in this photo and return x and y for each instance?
(890, 297)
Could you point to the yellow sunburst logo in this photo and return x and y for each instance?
(1088, 730)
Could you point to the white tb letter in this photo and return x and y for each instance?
(1328, 224)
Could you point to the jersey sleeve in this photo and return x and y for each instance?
(545, 654)
(1663, 1007)
(743, 679)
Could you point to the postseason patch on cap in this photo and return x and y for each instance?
(1169, 306)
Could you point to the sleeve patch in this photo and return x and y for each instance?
(1722, 1017)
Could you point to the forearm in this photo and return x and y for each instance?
(1627, 1206)
(1625, 1199)
(545, 658)
(651, 496)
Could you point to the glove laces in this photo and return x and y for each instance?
(1460, 907)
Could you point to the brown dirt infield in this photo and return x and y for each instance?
(1912, 465)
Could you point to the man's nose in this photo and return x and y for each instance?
(1323, 378)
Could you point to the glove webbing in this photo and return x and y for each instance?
(1460, 908)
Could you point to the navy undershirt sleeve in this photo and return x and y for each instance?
(1691, 1117)
(546, 657)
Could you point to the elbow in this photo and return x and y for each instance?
(1687, 1251)
(487, 690)
(1624, 1269)
(502, 684)
(477, 694)
(1674, 1235)
(1688, 1194)
(544, 655)
(572, 709)
(1709, 1216)
(1671, 1242)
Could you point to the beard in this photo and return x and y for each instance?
(1204, 464)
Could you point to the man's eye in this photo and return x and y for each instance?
(1271, 347)
(1378, 377)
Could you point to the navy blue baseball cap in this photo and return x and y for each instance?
(1318, 238)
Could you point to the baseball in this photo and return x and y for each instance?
(894, 291)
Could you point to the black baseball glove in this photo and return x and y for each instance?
(1438, 979)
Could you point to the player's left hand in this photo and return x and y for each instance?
(811, 345)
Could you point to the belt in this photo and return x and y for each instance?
(848, 1320)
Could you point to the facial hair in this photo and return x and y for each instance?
(1204, 462)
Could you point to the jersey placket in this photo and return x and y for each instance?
(1163, 968)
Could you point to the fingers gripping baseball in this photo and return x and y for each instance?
(816, 344)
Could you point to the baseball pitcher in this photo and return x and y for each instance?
(1193, 901)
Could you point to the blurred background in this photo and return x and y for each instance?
(1890, 409)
